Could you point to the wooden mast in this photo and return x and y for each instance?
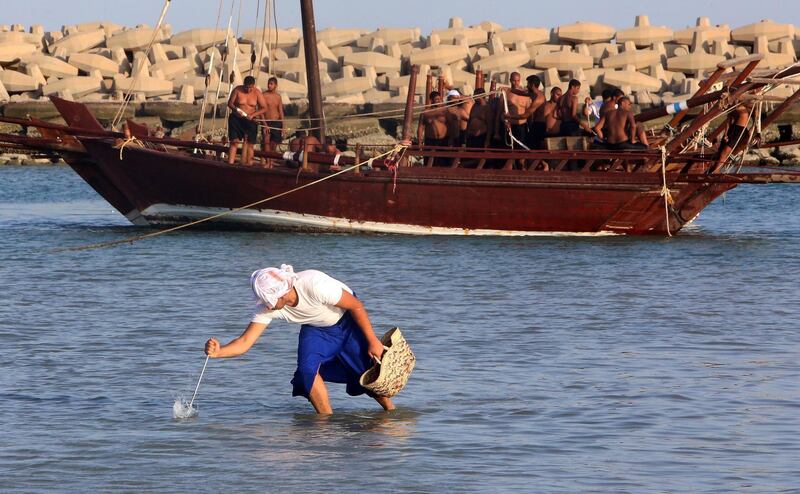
(312, 69)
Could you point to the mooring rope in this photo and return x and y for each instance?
(399, 148)
(129, 140)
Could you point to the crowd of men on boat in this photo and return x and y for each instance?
(515, 117)
(524, 117)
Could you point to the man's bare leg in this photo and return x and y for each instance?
(247, 152)
(385, 402)
(319, 397)
(232, 152)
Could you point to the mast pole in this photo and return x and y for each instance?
(412, 90)
(312, 68)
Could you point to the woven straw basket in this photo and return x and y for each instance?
(391, 373)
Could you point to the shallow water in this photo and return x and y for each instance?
(606, 364)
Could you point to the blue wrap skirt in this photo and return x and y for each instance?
(338, 353)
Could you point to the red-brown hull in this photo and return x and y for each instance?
(168, 188)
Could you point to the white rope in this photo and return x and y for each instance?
(665, 192)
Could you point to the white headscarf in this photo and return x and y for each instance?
(270, 284)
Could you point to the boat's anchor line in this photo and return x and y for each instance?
(396, 151)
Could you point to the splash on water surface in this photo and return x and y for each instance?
(181, 409)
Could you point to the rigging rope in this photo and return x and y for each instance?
(397, 150)
(210, 71)
(121, 111)
(665, 192)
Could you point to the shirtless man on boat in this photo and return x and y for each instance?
(545, 123)
(433, 124)
(246, 103)
(480, 122)
(458, 115)
(516, 115)
(618, 127)
(537, 100)
(735, 133)
(273, 114)
(567, 112)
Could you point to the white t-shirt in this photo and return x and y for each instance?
(317, 296)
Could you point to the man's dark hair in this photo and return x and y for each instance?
(533, 80)
(249, 81)
(608, 94)
(434, 94)
(273, 79)
(624, 98)
(574, 83)
(618, 93)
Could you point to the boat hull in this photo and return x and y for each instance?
(169, 189)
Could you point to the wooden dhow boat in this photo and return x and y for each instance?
(160, 181)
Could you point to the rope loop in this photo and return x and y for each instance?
(665, 192)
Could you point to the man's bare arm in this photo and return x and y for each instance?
(262, 105)
(232, 100)
(420, 131)
(238, 345)
(598, 129)
(631, 122)
(360, 316)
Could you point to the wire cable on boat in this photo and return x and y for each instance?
(121, 111)
(397, 150)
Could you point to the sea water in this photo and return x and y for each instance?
(609, 364)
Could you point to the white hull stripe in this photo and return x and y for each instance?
(168, 214)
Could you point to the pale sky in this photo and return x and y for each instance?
(425, 14)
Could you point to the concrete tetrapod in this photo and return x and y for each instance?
(643, 34)
(382, 63)
(16, 82)
(585, 32)
(282, 38)
(12, 51)
(767, 28)
(90, 61)
(631, 56)
(77, 86)
(563, 60)
(333, 37)
(50, 66)
(528, 35)
(439, 56)
(78, 42)
(201, 38)
(711, 33)
(148, 86)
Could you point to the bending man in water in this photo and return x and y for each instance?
(337, 343)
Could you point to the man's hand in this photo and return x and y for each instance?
(212, 348)
(375, 349)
